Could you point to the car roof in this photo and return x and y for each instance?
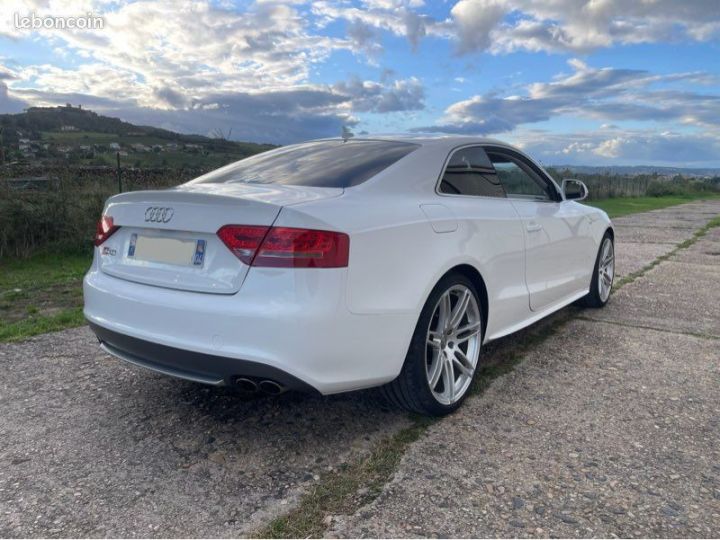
(425, 139)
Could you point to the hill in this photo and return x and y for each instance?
(76, 136)
(636, 170)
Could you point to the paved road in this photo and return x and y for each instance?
(91, 447)
(611, 427)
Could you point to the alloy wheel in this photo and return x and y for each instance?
(453, 344)
(606, 269)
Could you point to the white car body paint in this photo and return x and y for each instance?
(340, 329)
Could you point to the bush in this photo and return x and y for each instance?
(63, 216)
(680, 187)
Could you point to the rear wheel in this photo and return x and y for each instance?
(443, 355)
(603, 275)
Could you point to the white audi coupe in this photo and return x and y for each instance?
(336, 265)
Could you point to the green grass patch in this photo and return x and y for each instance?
(40, 324)
(41, 294)
(337, 492)
(621, 206)
(41, 270)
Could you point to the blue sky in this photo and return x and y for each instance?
(571, 81)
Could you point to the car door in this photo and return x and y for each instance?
(489, 233)
(556, 231)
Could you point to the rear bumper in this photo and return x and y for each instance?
(291, 325)
(193, 366)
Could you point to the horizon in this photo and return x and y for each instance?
(211, 136)
(591, 84)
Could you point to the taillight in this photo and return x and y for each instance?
(286, 247)
(243, 240)
(105, 229)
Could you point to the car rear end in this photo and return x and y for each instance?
(232, 283)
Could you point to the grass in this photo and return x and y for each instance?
(40, 324)
(41, 294)
(715, 222)
(621, 206)
(338, 492)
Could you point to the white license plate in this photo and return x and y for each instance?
(167, 250)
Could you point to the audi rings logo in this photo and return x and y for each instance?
(158, 214)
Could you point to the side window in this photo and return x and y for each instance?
(519, 181)
(469, 172)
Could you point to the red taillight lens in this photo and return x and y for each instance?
(105, 229)
(243, 240)
(303, 248)
(286, 247)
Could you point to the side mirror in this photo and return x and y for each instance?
(574, 190)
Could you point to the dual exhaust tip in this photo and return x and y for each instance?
(266, 386)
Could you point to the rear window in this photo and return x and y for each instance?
(320, 164)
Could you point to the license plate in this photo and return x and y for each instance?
(167, 250)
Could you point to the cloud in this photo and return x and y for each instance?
(632, 147)
(503, 26)
(200, 65)
(281, 116)
(9, 104)
(474, 21)
(400, 18)
(368, 96)
(597, 93)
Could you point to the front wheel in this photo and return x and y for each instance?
(443, 355)
(603, 275)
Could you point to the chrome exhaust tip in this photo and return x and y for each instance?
(271, 387)
(246, 385)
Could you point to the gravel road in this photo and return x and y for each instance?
(608, 427)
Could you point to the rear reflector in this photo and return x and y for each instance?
(105, 229)
(286, 247)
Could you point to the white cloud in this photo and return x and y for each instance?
(596, 93)
(207, 64)
(633, 147)
(580, 26)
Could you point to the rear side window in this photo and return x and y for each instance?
(335, 164)
(470, 172)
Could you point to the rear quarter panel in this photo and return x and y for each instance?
(396, 258)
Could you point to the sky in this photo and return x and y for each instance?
(594, 82)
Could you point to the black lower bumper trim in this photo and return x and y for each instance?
(194, 366)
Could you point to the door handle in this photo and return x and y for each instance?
(534, 227)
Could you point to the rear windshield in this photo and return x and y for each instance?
(319, 164)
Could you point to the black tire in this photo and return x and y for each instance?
(411, 390)
(593, 299)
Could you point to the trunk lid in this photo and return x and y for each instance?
(168, 238)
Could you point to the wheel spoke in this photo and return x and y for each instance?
(444, 310)
(460, 309)
(437, 369)
(607, 280)
(449, 379)
(434, 342)
(463, 363)
(606, 249)
(467, 331)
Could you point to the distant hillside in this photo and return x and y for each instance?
(72, 135)
(621, 170)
